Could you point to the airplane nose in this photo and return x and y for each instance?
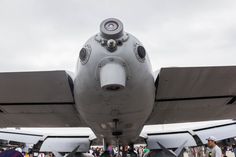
(112, 76)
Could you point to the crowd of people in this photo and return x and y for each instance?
(94, 151)
(115, 152)
(17, 152)
(212, 150)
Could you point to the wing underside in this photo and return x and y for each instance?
(194, 94)
(193, 137)
(50, 143)
(37, 99)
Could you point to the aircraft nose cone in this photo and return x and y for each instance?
(112, 77)
(111, 28)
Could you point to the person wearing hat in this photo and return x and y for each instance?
(215, 150)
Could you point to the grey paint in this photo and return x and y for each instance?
(50, 142)
(37, 99)
(98, 106)
(172, 139)
(178, 152)
(194, 94)
(221, 133)
(40, 115)
(65, 144)
(35, 87)
(20, 136)
(190, 82)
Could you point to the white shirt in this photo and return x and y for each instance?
(216, 152)
(41, 155)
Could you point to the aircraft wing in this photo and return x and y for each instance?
(194, 94)
(66, 144)
(42, 142)
(191, 137)
(37, 99)
(21, 136)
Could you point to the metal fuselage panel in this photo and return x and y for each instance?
(130, 105)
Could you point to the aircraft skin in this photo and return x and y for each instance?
(114, 85)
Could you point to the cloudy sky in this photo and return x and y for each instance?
(48, 34)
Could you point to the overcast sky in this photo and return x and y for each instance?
(48, 34)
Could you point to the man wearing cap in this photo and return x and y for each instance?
(215, 151)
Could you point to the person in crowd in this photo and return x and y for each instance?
(11, 153)
(234, 149)
(1, 150)
(214, 150)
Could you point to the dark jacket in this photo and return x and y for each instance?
(11, 153)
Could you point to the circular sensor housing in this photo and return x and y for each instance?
(111, 28)
(84, 54)
(140, 52)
